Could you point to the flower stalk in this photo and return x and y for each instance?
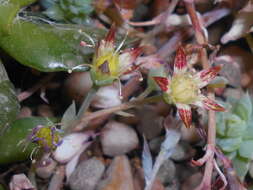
(202, 39)
(87, 101)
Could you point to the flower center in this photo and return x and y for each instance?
(112, 59)
(48, 138)
(183, 89)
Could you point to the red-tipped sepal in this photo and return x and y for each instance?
(127, 59)
(185, 114)
(162, 82)
(107, 44)
(209, 104)
(180, 63)
(205, 76)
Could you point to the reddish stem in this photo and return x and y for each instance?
(209, 157)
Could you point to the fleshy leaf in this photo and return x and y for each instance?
(248, 133)
(231, 155)
(42, 46)
(9, 105)
(244, 107)
(220, 123)
(246, 150)
(235, 126)
(229, 144)
(76, 11)
(241, 166)
(11, 147)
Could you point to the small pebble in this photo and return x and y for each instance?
(167, 172)
(118, 176)
(87, 175)
(150, 122)
(118, 138)
(183, 151)
(192, 181)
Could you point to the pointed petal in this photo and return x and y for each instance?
(185, 114)
(127, 58)
(205, 76)
(107, 44)
(209, 104)
(162, 82)
(180, 63)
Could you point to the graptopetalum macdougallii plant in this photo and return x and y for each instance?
(183, 88)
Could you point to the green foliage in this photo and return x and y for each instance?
(9, 105)
(235, 133)
(45, 47)
(75, 11)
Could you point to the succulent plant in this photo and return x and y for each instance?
(75, 11)
(235, 133)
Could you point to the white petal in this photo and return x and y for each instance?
(71, 146)
(107, 96)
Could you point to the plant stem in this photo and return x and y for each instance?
(202, 39)
(86, 119)
(86, 103)
(27, 93)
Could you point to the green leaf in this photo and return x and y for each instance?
(41, 46)
(229, 144)
(234, 125)
(241, 166)
(54, 12)
(18, 131)
(9, 105)
(46, 47)
(244, 107)
(220, 124)
(231, 155)
(246, 150)
(248, 133)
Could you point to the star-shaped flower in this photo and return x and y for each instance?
(109, 64)
(47, 137)
(183, 88)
